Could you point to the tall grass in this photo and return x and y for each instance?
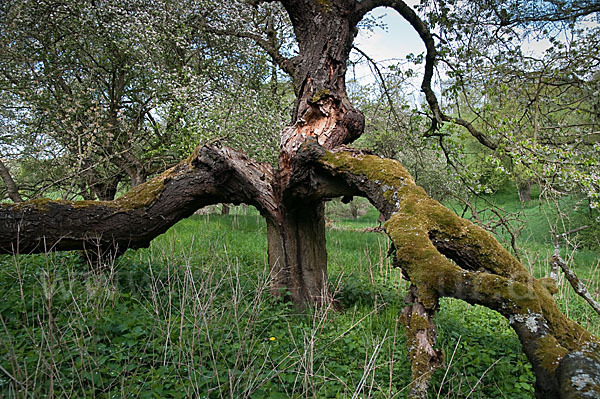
(191, 316)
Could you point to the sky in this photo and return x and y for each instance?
(392, 44)
(386, 46)
(395, 42)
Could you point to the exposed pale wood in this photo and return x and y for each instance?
(420, 337)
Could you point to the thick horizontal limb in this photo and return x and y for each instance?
(209, 176)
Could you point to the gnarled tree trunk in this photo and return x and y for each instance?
(209, 176)
(444, 255)
(296, 233)
(440, 253)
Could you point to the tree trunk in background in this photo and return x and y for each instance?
(11, 187)
(106, 190)
(525, 190)
(137, 177)
(224, 209)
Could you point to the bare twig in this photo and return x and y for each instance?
(379, 74)
(578, 286)
(431, 57)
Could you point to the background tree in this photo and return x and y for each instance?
(522, 104)
(538, 107)
(119, 93)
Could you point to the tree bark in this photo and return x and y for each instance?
(525, 190)
(297, 254)
(444, 255)
(296, 235)
(440, 253)
(207, 177)
(420, 337)
(324, 31)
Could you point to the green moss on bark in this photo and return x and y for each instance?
(320, 94)
(550, 352)
(388, 172)
(498, 281)
(325, 5)
(423, 359)
(136, 198)
(144, 194)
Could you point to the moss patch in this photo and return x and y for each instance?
(138, 197)
(417, 327)
(550, 352)
(142, 195)
(39, 204)
(319, 95)
(325, 5)
(394, 180)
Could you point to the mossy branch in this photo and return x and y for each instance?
(444, 255)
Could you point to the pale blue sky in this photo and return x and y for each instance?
(387, 46)
(392, 44)
(398, 40)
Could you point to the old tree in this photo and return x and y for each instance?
(439, 253)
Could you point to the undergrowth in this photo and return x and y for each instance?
(192, 316)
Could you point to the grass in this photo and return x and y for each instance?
(191, 316)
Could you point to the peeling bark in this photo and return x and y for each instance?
(440, 253)
(420, 342)
(324, 31)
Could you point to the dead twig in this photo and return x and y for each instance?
(558, 261)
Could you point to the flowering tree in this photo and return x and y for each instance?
(440, 253)
(112, 92)
(525, 74)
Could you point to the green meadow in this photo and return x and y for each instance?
(192, 316)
